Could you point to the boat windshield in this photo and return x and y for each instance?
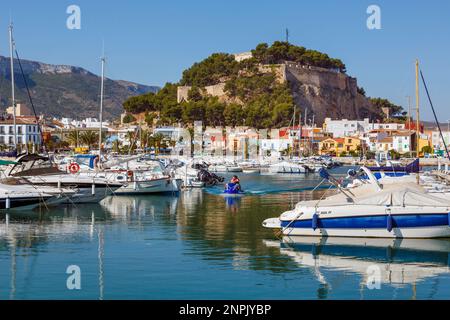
(33, 166)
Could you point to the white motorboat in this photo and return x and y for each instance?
(399, 210)
(27, 197)
(91, 187)
(288, 167)
(147, 180)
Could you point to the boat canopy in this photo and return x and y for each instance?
(398, 195)
(402, 198)
(6, 162)
(31, 157)
(89, 158)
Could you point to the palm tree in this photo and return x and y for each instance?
(159, 141)
(73, 138)
(145, 136)
(89, 138)
(116, 146)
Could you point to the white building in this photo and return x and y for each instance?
(402, 142)
(387, 126)
(346, 128)
(436, 139)
(172, 133)
(276, 146)
(21, 110)
(27, 132)
(88, 123)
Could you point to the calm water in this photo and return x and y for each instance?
(202, 245)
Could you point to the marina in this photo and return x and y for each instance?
(199, 157)
(143, 247)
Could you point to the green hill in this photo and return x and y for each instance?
(260, 91)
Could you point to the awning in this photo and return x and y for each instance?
(6, 162)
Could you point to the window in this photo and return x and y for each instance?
(2, 129)
(11, 130)
(19, 140)
(2, 140)
(11, 141)
(19, 130)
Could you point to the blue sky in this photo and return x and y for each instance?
(152, 42)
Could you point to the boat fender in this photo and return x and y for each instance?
(390, 223)
(315, 221)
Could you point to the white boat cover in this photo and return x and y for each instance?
(402, 198)
(401, 195)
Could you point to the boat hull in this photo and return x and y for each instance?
(398, 233)
(150, 187)
(376, 225)
(27, 203)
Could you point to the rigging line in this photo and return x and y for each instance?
(435, 116)
(29, 95)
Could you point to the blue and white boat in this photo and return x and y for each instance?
(374, 210)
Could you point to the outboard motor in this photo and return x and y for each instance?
(209, 178)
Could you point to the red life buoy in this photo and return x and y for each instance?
(74, 168)
(130, 175)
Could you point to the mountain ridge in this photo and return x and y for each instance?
(64, 90)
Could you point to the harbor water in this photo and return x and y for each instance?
(203, 245)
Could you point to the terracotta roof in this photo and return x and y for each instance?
(387, 140)
(19, 120)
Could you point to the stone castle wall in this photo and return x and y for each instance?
(325, 93)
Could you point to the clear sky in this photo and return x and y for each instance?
(153, 41)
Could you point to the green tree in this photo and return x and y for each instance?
(233, 115)
(394, 154)
(427, 150)
(129, 118)
(89, 138)
(73, 138)
(195, 94)
(380, 103)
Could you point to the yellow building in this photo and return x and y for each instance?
(423, 143)
(337, 146)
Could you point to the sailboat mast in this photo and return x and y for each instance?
(13, 92)
(418, 119)
(417, 110)
(101, 110)
(300, 133)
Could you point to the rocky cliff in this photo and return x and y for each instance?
(328, 94)
(66, 91)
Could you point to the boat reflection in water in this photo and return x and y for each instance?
(125, 207)
(398, 262)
